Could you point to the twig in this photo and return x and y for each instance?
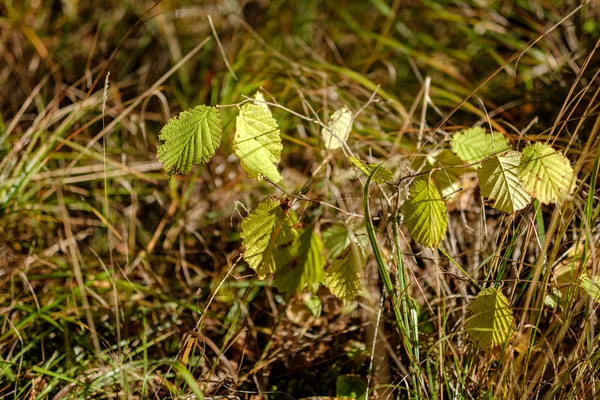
(221, 49)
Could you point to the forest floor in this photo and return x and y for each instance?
(120, 281)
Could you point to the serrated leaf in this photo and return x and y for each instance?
(499, 181)
(336, 133)
(338, 236)
(263, 232)
(591, 284)
(382, 175)
(474, 144)
(259, 99)
(425, 213)
(335, 239)
(300, 264)
(546, 174)
(343, 275)
(257, 142)
(191, 138)
(490, 323)
(447, 180)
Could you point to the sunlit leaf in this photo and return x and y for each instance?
(498, 180)
(552, 298)
(447, 168)
(591, 284)
(382, 174)
(337, 236)
(425, 213)
(474, 144)
(490, 322)
(191, 138)
(343, 275)
(263, 232)
(300, 264)
(336, 133)
(257, 142)
(546, 174)
(335, 239)
(314, 305)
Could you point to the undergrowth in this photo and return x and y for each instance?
(120, 280)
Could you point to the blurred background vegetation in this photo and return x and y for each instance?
(107, 265)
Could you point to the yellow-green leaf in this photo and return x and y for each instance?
(591, 284)
(447, 179)
(336, 133)
(343, 275)
(490, 322)
(335, 239)
(425, 213)
(546, 174)
(264, 231)
(499, 181)
(382, 174)
(314, 305)
(191, 138)
(300, 264)
(474, 144)
(257, 142)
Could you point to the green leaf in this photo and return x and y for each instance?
(343, 275)
(474, 144)
(490, 323)
(425, 213)
(191, 138)
(257, 142)
(382, 175)
(552, 299)
(335, 239)
(263, 232)
(336, 133)
(545, 174)
(338, 236)
(591, 284)
(447, 180)
(314, 305)
(300, 264)
(350, 387)
(499, 181)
